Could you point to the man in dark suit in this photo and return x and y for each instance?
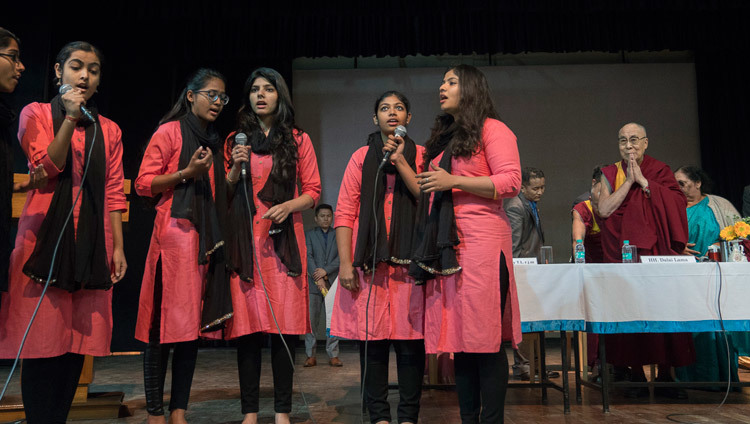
(528, 236)
(322, 269)
(523, 214)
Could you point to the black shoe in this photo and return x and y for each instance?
(670, 392)
(636, 392)
(553, 374)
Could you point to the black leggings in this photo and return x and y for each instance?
(248, 365)
(410, 357)
(48, 386)
(156, 358)
(481, 382)
(482, 378)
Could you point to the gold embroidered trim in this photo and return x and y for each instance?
(40, 279)
(431, 270)
(396, 260)
(218, 245)
(215, 323)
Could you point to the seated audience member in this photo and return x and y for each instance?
(586, 223)
(707, 214)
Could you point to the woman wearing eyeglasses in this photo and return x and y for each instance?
(183, 170)
(269, 204)
(75, 314)
(10, 73)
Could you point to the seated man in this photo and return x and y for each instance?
(642, 202)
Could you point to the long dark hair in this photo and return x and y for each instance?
(195, 82)
(697, 175)
(474, 107)
(74, 46)
(283, 145)
(6, 36)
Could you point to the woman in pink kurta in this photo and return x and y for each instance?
(384, 307)
(277, 155)
(75, 316)
(464, 248)
(183, 167)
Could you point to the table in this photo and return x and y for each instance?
(634, 298)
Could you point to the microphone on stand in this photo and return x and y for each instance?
(67, 87)
(241, 139)
(400, 131)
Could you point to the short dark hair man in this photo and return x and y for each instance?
(322, 268)
(528, 236)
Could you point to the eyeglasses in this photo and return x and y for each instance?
(214, 95)
(632, 140)
(15, 57)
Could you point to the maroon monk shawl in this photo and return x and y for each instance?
(656, 225)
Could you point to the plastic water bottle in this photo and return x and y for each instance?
(580, 252)
(627, 252)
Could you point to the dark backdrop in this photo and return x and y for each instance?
(150, 47)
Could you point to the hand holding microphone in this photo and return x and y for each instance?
(393, 146)
(75, 103)
(240, 155)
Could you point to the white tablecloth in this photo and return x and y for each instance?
(628, 298)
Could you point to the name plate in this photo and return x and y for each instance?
(524, 261)
(682, 259)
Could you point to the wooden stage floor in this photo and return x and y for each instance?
(333, 395)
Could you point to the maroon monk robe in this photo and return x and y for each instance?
(592, 241)
(656, 225)
(594, 255)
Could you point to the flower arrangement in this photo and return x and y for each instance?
(739, 230)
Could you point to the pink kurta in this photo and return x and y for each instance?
(175, 241)
(289, 295)
(79, 322)
(462, 310)
(396, 308)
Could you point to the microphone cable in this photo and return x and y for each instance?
(369, 290)
(52, 264)
(729, 354)
(268, 299)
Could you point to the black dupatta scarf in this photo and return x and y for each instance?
(7, 117)
(435, 235)
(395, 248)
(82, 257)
(274, 192)
(194, 201)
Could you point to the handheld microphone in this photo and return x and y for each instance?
(400, 131)
(241, 139)
(67, 87)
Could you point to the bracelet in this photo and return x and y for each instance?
(646, 191)
(182, 179)
(71, 119)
